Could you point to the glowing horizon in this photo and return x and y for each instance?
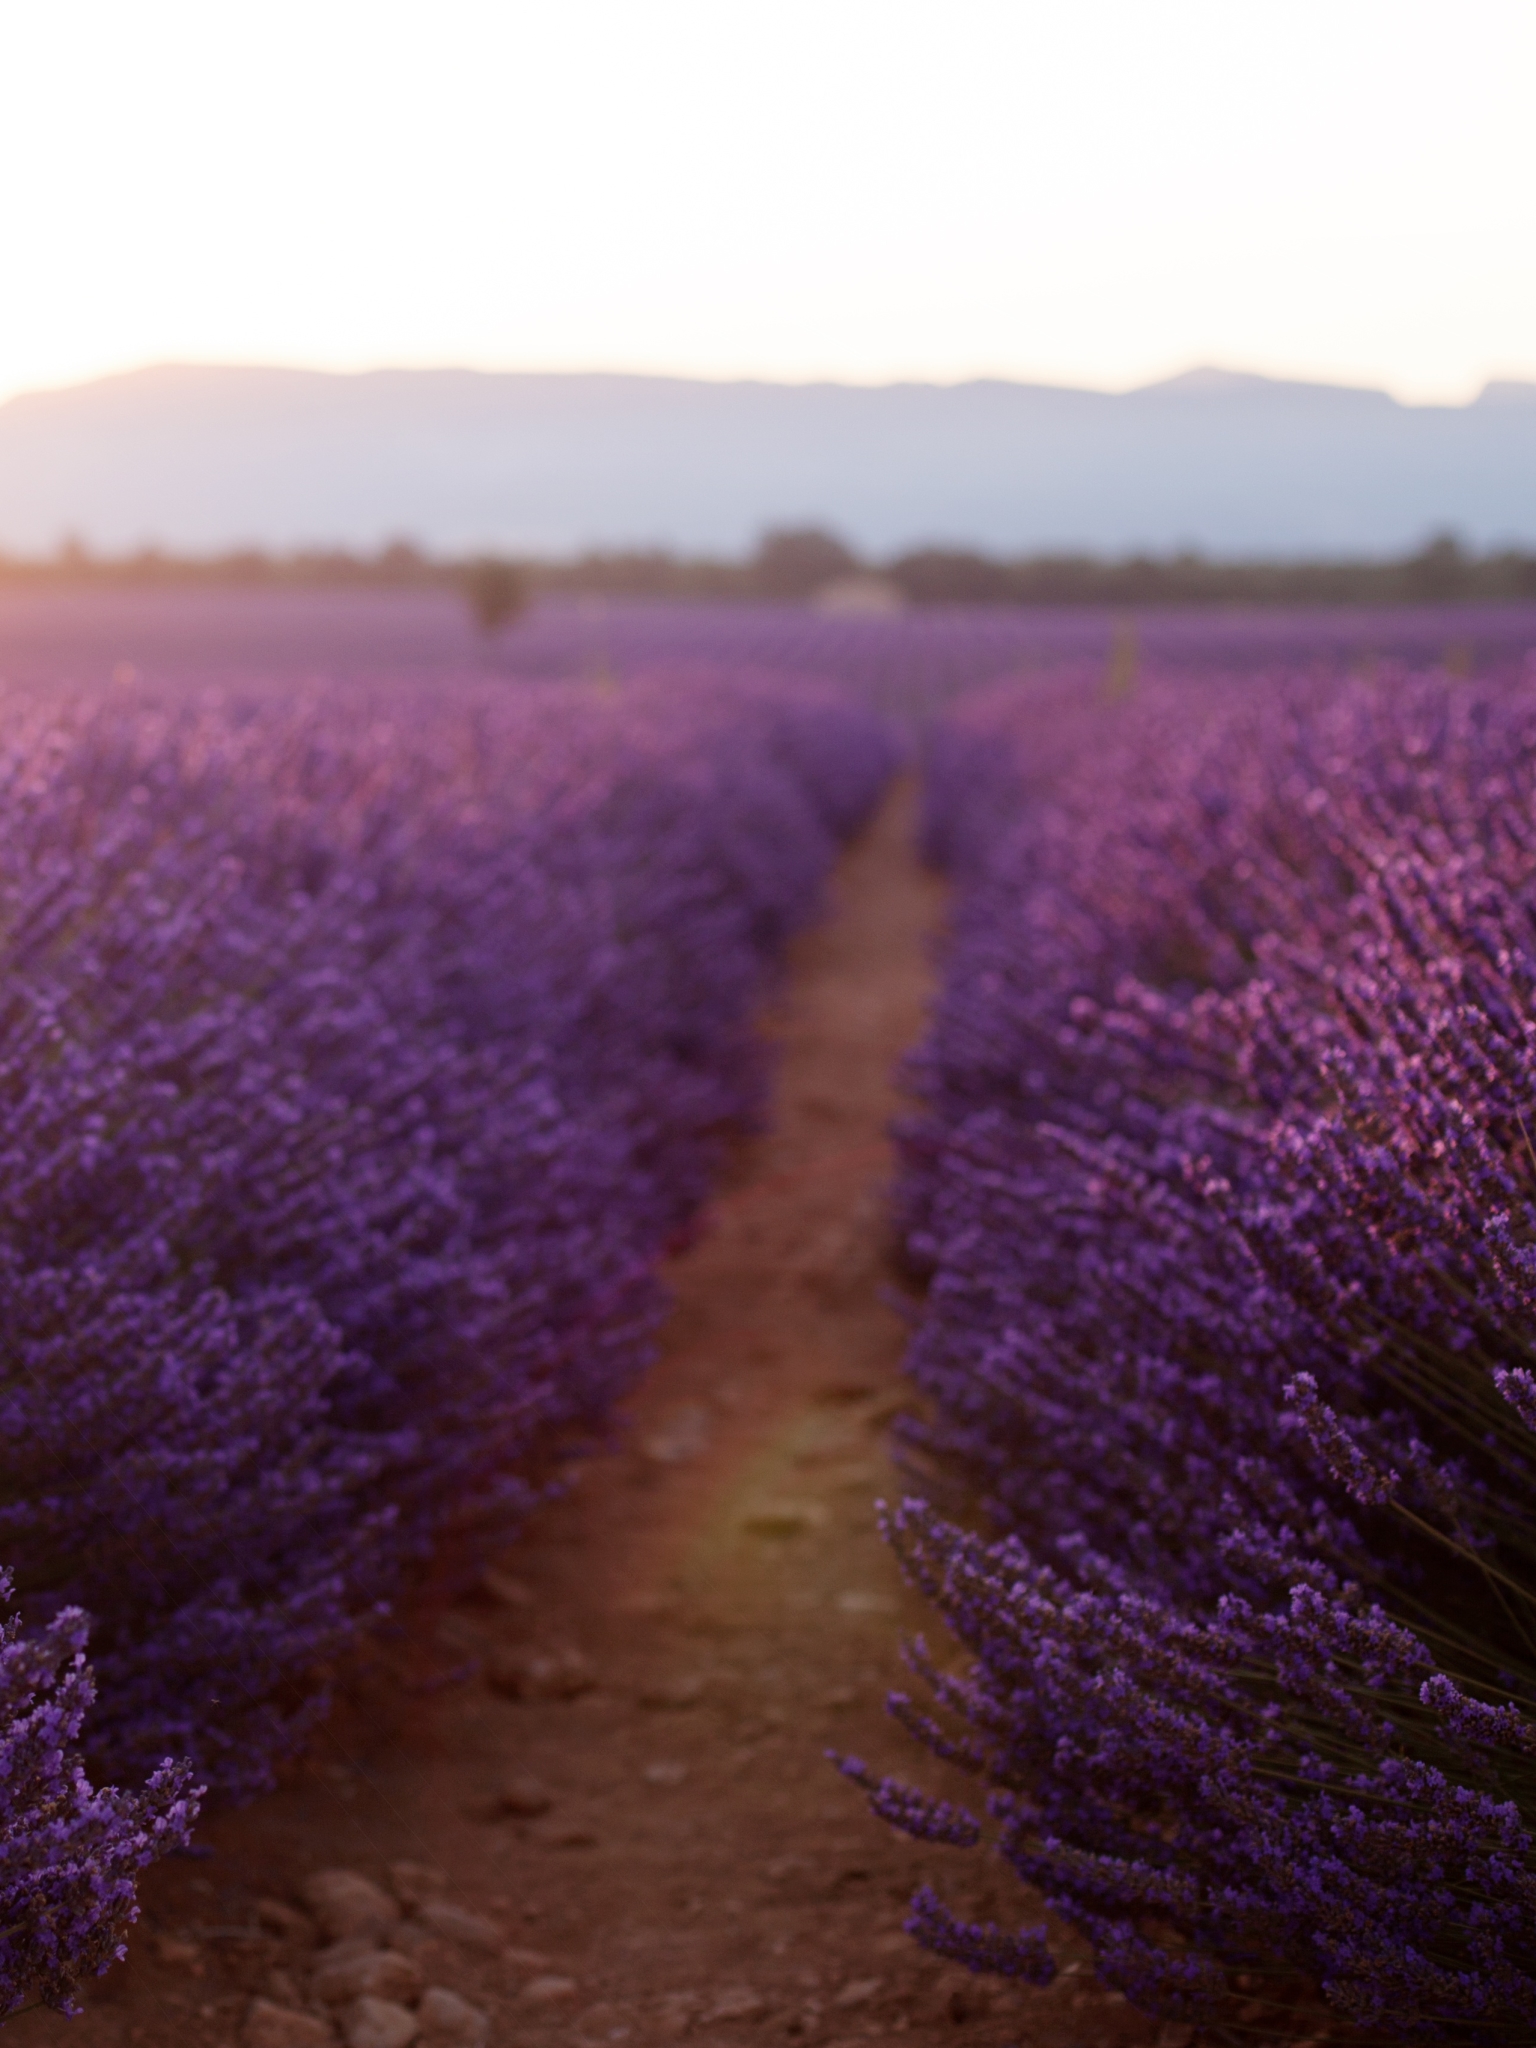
(1098, 198)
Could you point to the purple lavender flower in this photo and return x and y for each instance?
(1228, 1094)
(69, 1852)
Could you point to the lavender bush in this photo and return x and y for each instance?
(68, 1852)
(360, 1054)
(1225, 1191)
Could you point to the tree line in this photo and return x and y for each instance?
(797, 564)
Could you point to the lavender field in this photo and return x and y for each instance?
(362, 1054)
(380, 1009)
(1224, 1188)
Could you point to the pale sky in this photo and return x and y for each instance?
(1093, 192)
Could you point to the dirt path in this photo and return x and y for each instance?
(664, 1853)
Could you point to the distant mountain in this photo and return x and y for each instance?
(197, 458)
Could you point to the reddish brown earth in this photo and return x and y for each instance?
(699, 1870)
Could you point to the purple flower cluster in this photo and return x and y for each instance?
(907, 664)
(360, 1054)
(1226, 1193)
(68, 1853)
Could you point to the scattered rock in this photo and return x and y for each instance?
(448, 2021)
(783, 1518)
(736, 2002)
(412, 1939)
(379, 2023)
(179, 1953)
(664, 1773)
(524, 1797)
(565, 1838)
(840, 1696)
(675, 2014)
(282, 1989)
(602, 2023)
(539, 1674)
(858, 1991)
(347, 1904)
(1175, 2034)
(349, 1972)
(274, 2026)
(673, 1695)
(454, 1923)
(549, 1990)
(865, 1603)
(683, 1436)
(413, 1882)
(967, 2000)
(526, 1958)
(285, 1921)
(505, 1590)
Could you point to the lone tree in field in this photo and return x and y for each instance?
(794, 562)
(496, 591)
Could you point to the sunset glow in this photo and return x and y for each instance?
(1339, 189)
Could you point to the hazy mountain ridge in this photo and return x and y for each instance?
(197, 457)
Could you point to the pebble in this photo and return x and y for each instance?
(283, 1920)
(413, 1882)
(455, 1924)
(736, 2002)
(448, 2021)
(539, 1674)
(865, 1603)
(347, 1903)
(526, 1958)
(524, 1797)
(348, 1972)
(380, 2023)
(683, 1437)
(1175, 2034)
(179, 1952)
(675, 2014)
(504, 1589)
(785, 1518)
(274, 2026)
(858, 1991)
(665, 1773)
(673, 1695)
(548, 1990)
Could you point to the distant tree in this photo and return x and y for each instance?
(1439, 571)
(796, 561)
(951, 576)
(401, 561)
(496, 591)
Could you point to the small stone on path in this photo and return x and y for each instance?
(858, 1991)
(347, 1903)
(665, 1773)
(454, 1923)
(549, 1990)
(413, 1882)
(448, 2021)
(736, 2002)
(345, 1973)
(380, 2023)
(286, 1921)
(525, 1798)
(539, 1674)
(274, 2026)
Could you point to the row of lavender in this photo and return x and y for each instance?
(1226, 1188)
(359, 1056)
(907, 664)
